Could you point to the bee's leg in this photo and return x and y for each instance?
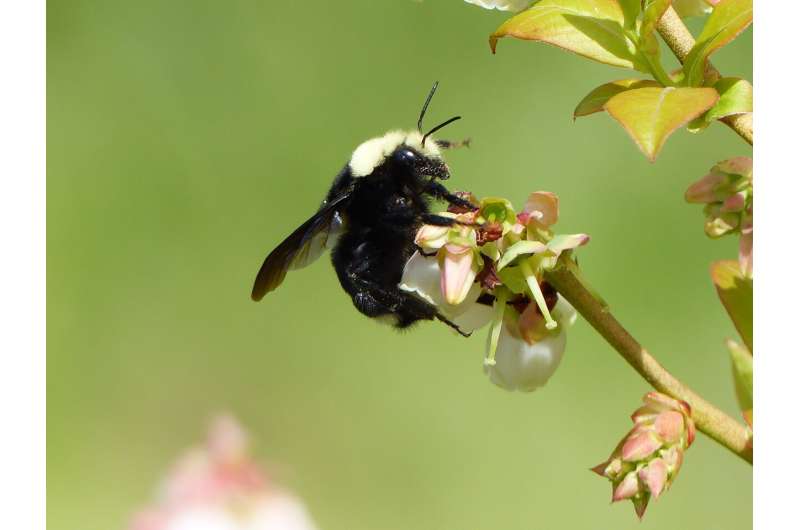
(450, 144)
(440, 220)
(372, 299)
(437, 220)
(437, 190)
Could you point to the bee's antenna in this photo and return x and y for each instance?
(441, 125)
(425, 106)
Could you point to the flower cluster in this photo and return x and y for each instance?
(647, 460)
(727, 192)
(487, 269)
(219, 487)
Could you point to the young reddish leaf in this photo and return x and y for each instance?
(592, 28)
(594, 100)
(650, 115)
(735, 290)
(729, 18)
(742, 364)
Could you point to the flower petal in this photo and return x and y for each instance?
(520, 248)
(660, 402)
(735, 202)
(531, 324)
(422, 276)
(474, 316)
(654, 476)
(563, 242)
(564, 313)
(627, 488)
(459, 269)
(639, 446)
(705, 190)
(542, 208)
(669, 426)
(526, 367)
(431, 237)
(739, 165)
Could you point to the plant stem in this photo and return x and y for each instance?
(710, 420)
(680, 41)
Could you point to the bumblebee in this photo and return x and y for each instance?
(369, 219)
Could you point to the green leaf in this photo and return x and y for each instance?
(729, 18)
(591, 28)
(742, 364)
(653, 10)
(594, 100)
(735, 290)
(735, 97)
(650, 115)
(630, 12)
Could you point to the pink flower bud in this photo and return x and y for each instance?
(707, 189)
(640, 446)
(627, 488)
(645, 463)
(654, 475)
(669, 426)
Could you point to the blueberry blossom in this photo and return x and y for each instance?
(647, 460)
(219, 487)
(527, 353)
(727, 192)
(489, 268)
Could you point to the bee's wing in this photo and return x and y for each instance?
(303, 246)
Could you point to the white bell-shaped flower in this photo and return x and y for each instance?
(526, 366)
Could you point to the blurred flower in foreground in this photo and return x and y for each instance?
(219, 487)
(647, 460)
(489, 268)
(502, 5)
(727, 192)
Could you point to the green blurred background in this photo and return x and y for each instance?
(186, 138)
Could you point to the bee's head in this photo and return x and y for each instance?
(401, 151)
(411, 152)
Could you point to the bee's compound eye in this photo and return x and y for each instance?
(405, 156)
